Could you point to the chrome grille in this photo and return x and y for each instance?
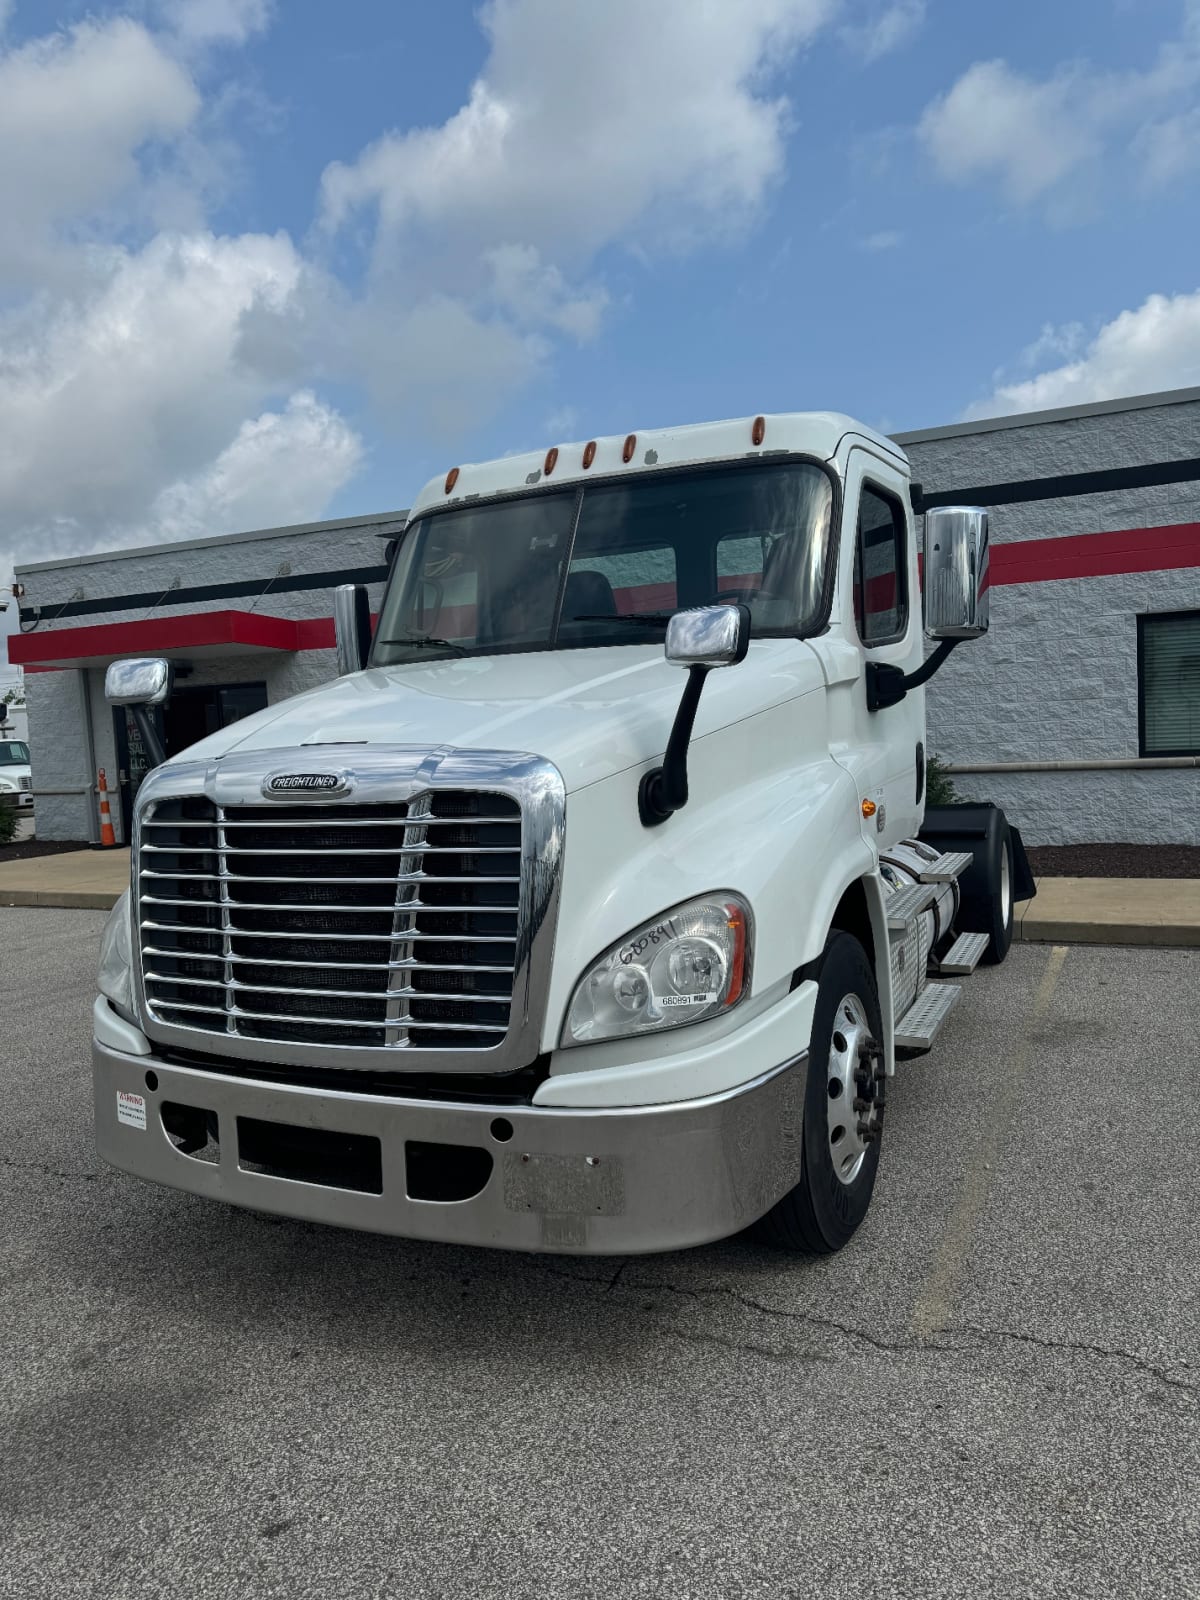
(391, 925)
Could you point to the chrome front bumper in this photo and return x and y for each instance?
(585, 1182)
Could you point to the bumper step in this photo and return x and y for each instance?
(908, 903)
(964, 954)
(919, 1026)
(948, 867)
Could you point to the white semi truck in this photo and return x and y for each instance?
(513, 935)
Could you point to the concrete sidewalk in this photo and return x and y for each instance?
(90, 880)
(1148, 911)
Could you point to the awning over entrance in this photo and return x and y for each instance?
(196, 636)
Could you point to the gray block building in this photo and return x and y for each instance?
(1079, 712)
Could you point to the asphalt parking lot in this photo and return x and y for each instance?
(993, 1391)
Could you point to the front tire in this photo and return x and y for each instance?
(843, 1110)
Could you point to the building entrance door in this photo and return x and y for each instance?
(190, 715)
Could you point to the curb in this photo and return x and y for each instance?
(1048, 931)
(61, 899)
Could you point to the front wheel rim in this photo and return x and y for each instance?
(853, 1089)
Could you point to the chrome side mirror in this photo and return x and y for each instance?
(956, 573)
(140, 682)
(708, 636)
(351, 627)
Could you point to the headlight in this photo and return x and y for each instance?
(689, 964)
(7, 784)
(115, 977)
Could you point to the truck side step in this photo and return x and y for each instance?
(947, 867)
(918, 1027)
(964, 954)
(908, 903)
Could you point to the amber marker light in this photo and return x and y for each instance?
(868, 808)
(451, 479)
(551, 460)
(589, 453)
(759, 431)
(629, 447)
(735, 920)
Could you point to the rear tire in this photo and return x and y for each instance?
(987, 892)
(845, 1072)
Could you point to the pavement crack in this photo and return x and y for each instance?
(1075, 1346)
(958, 1337)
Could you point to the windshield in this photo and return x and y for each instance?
(13, 753)
(608, 564)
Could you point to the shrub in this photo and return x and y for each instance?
(8, 821)
(939, 786)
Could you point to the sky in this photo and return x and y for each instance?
(264, 261)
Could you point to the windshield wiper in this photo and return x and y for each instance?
(421, 641)
(647, 618)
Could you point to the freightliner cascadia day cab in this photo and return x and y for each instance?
(516, 935)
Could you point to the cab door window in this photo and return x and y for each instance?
(880, 568)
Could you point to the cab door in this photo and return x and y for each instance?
(878, 621)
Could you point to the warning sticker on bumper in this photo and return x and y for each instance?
(131, 1110)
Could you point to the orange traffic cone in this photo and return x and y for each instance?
(107, 836)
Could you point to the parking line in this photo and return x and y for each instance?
(936, 1299)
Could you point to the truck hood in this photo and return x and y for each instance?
(591, 712)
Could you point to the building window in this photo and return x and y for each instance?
(880, 589)
(1169, 684)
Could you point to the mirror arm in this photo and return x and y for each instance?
(887, 686)
(664, 790)
(149, 733)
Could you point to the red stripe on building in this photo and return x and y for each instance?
(1097, 555)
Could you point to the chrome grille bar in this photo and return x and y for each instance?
(195, 923)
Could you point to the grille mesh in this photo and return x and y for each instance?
(388, 926)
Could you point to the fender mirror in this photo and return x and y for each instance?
(144, 682)
(140, 684)
(701, 639)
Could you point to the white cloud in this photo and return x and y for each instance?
(589, 126)
(1031, 134)
(157, 378)
(886, 239)
(996, 122)
(878, 34)
(75, 110)
(143, 381)
(7, 8)
(1171, 148)
(535, 294)
(1156, 346)
(204, 22)
(274, 472)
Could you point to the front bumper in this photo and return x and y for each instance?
(587, 1182)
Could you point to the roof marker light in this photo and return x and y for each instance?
(551, 460)
(629, 447)
(758, 431)
(451, 479)
(589, 453)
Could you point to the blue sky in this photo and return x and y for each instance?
(267, 260)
